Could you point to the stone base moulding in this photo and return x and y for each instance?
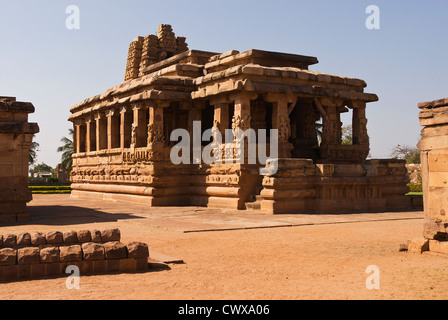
(36, 255)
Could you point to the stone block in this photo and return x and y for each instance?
(9, 273)
(127, 265)
(28, 255)
(100, 266)
(438, 246)
(7, 218)
(8, 257)
(96, 235)
(38, 238)
(141, 264)
(115, 250)
(113, 265)
(84, 236)
(1, 241)
(86, 267)
(417, 246)
(9, 241)
(54, 269)
(38, 270)
(50, 255)
(54, 237)
(93, 251)
(70, 253)
(70, 237)
(108, 235)
(436, 230)
(138, 250)
(23, 239)
(24, 272)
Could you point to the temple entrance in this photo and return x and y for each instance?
(304, 135)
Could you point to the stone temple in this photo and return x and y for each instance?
(122, 136)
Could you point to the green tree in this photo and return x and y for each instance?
(347, 135)
(34, 148)
(408, 153)
(67, 151)
(41, 168)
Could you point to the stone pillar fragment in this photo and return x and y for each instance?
(434, 159)
(16, 136)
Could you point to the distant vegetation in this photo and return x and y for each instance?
(50, 189)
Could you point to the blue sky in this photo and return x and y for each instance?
(405, 62)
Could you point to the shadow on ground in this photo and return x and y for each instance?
(67, 215)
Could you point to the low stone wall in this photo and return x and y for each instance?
(38, 255)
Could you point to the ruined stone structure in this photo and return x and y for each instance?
(16, 135)
(122, 137)
(434, 158)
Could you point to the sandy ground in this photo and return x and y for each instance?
(316, 261)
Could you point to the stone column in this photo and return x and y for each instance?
(125, 126)
(140, 126)
(76, 134)
(360, 136)
(331, 128)
(80, 133)
(156, 135)
(113, 129)
(221, 121)
(241, 120)
(90, 135)
(281, 122)
(101, 131)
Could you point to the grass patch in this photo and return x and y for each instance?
(50, 189)
(415, 194)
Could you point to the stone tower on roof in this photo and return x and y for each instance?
(144, 51)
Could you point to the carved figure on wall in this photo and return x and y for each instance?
(284, 130)
(133, 135)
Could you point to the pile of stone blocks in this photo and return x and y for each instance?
(38, 255)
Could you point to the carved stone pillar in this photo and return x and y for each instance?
(281, 122)
(113, 129)
(77, 135)
(241, 121)
(139, 127)
(221, 120)
(101, 131)
(125, 126)
(155, 128)
(360, 136)
(90, 135)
